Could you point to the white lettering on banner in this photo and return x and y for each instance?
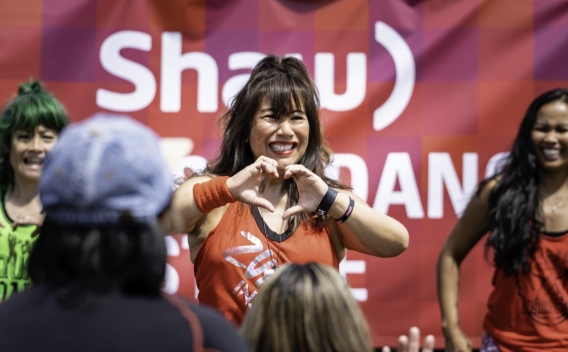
(399, 166)
(354, 267)
(357, 169)
(405, 76)
(172, 277)
(140, 76)
(171, 281)
(356, 81)
(495, 164)
(239, 61)
(441, 171)
(174, 62)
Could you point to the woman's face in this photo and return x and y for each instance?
(550, 136)
(28, 151)
(284, 140)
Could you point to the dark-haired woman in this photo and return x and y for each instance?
(265, 200)
(29, 126)
(524, 210)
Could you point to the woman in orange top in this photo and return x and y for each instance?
(523, 208)
(265, 199)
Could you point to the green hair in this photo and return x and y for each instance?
(32, 107)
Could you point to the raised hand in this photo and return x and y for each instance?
(412, 342)
(311, 189)
(245, 185)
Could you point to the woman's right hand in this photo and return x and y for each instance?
(245, 185)
(456, 341)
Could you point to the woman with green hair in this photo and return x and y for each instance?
(29, 127)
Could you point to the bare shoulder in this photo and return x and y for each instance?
(186, 188)
(486, 189)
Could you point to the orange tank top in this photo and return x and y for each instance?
(231, 263)
(528, 312)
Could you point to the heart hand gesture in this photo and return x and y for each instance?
(245, 185)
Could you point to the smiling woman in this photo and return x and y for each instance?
(29, 126)
(523, 210)
(265, 200)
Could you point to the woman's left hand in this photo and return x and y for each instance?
(311, 190)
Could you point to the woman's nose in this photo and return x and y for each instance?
(285, 127)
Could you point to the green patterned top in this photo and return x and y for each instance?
(15, 249)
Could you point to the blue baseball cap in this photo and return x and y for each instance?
(105, 170)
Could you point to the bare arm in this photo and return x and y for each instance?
(469, 229)
(367, 230)
(184, 214)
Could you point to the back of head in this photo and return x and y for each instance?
(33, 106)
(306, 308)
(103, 187)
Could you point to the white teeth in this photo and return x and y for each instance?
(281, 147)
(550, 152)
(34, 161)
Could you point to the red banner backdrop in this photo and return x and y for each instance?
(417, 96)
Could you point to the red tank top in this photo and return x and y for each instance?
(528, 312)
(231, 263)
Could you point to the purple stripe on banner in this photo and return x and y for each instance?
(231, 15)
(550, 51)
(68, 54)
(69, 13)
(221, 44)
(459, 61)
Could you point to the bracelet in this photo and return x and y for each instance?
(212, 194)
(347, 212)
(326, 201)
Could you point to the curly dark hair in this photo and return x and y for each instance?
(515, 214)
(285, 83)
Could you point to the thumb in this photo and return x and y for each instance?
(292, 211)
(261, 202)
(386, 349)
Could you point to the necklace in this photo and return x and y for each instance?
(275, 263)
(559, 204)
